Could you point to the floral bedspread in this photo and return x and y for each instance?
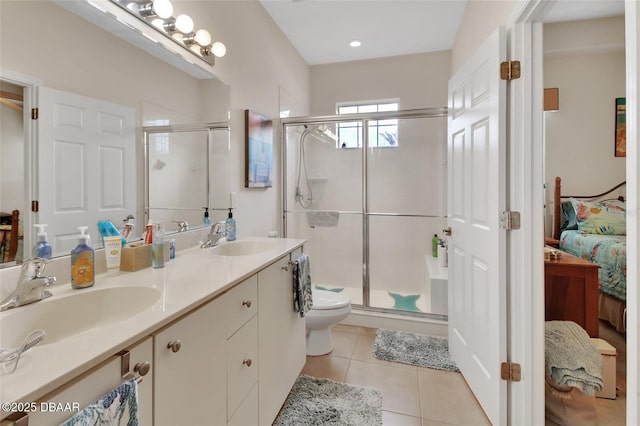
(607, 251)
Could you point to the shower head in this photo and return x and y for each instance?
(322, 133)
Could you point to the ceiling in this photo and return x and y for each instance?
(321, 29)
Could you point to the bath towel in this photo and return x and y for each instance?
(302, 298)
(117, 408)
(321, 218)
(570, 358)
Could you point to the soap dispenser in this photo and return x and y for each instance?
(42, 247)
(230, 227)
(83, 262)
(206, 220)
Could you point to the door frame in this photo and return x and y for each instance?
(30, 86)
(526, 194)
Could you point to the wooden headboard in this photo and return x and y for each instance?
(557, 200)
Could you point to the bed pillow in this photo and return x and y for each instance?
(569, 219)
(601, 217)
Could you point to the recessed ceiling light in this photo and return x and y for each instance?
(355, 43)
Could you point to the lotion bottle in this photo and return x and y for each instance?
(157, 246)
(83, 262)
(230, 227)
(42, 247)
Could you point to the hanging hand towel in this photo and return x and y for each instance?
(323, 218)
(117, 408)
(302, 300)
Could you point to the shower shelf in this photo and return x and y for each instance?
(318, 179)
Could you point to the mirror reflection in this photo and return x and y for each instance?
(118, 74)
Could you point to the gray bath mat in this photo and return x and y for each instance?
(319, 402)
(414, 349)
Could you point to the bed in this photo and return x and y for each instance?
(593, 228)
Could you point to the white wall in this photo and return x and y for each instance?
(586, 61)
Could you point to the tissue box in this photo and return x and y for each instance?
(135, 257)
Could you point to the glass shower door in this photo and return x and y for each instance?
(405, 208)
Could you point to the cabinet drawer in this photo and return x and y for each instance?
(242, 364)
(241, 303)
(247, 413)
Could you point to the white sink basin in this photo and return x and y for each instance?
(67, 316)
(243, 247)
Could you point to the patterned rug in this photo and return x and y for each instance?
(414, 349)
(320, 402)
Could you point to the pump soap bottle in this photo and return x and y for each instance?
(82, 262)
(206, 220)
(230, 227)
(42, 247)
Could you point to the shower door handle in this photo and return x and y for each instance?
(447, 231)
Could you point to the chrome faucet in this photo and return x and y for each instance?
(216, 232)
(31, 284)
(182, 225)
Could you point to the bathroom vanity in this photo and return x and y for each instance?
(215, 341)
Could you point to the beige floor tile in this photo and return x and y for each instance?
(445, 397)
(398, 386)
(343, 342)
(390, 418)
(363, 351)
(353, 329)
(326, 366)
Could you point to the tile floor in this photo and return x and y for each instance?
(411, 395)
(416, 396)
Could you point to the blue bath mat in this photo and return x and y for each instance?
(406, 303)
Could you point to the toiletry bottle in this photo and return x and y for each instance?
(157, 246)
(206, 220)
(434, 245)
(230, 227)
(442, 254)
(82, 262)
(42, 247)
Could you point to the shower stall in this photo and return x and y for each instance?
(368, 192)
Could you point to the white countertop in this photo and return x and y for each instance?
(192, 278)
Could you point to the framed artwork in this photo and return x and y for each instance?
(621, 128)
(258, 150)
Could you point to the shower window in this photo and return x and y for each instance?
(382, 133)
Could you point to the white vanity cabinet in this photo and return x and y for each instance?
(93, 385)
(190, 370)
(281, 340)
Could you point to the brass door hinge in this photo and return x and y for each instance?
(510, 70)
(510, 371)
(34, 113)
(35, 206)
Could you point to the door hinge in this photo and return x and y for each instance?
(510, 371)
(510, 70)
(35, 206)
(510, 220)
(34, 113)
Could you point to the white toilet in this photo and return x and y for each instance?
(329, 308)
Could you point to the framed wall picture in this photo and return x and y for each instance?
(621, 128)
(258, 150)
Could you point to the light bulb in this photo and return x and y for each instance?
(162, 8)
(355, 43)
(184, 24)
(202, 37)
(219, 49)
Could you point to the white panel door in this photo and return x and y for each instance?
(86, 165)
(476, 196)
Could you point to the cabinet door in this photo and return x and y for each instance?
(281, 342)
(190, 369)
(242, 364)
(93, 385)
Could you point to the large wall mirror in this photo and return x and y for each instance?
(41, 53)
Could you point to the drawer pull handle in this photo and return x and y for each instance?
(247, 362)
(246, 303)
(142, 368)
(174, 346)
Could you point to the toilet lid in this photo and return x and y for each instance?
(323, 299)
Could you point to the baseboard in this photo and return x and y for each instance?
(370, 319)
